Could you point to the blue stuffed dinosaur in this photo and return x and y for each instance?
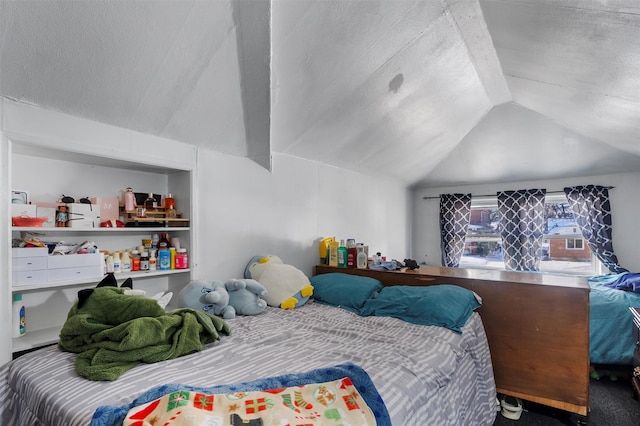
(208, 296)
(246, 296)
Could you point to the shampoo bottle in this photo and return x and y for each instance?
(323, 250)
(19, 319)
(333, 253)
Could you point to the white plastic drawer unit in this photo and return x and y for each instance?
(29, 265)
(74, 266)
(20, 264)
(20, 252)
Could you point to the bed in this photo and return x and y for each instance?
(533, 357)
(424, 374)
(610, 322)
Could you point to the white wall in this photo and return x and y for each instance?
(624, 209)
(246, 210)
(241, 209)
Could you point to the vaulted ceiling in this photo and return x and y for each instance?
(428, 92)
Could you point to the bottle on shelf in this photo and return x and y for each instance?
(333, 252)
(172, 257)
(164, 238)
(352, 253)
(342, 255)
(117, 263)
(175, 242)
(144, 261)
(182, 259)
(153, 262)
(19, 318)
(110, 268)
(125, 260)
(150, 203)
(169, 202)
(129, 200)
(155, 239)
(362, 258)
(164, 258)
(135, 260)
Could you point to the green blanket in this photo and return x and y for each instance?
(113, 332)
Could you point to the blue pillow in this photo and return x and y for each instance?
(444, 305)
(347, 291)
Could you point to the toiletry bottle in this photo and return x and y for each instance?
(153, 262)
(135, 260)
(333, 253)
(323, 250)
(342, 255)
(144, 261)
(150, 203)
(172, 257)
(362, 258)
(19, 319)
(182, 259)
(110, 269)
(125, 260)
(164, 238)
(117, 263)
(169, 202)
(129, 200)
(164, 258)
(352, 253)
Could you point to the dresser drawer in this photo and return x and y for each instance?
(28, 263)
(29, 277)
(72, 273)
(74, 260)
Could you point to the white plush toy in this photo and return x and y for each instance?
(287, 286)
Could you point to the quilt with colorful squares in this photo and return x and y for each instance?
(341, 395)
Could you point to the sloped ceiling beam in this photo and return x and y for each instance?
(253, 33)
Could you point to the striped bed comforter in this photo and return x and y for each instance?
(426, 375)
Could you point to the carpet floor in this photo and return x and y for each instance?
(611, 401)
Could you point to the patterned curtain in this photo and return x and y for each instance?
(591, 206)
(522, 228)
(455, 210)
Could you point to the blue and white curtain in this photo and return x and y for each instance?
(522, 228)
(455, 211)
(590, 204)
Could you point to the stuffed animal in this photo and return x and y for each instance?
(110, 280)
(287, 286)
(208, 296)
(246, 296)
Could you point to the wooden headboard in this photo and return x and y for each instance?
(537, 326)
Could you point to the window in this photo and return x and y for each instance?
(563, 247)
(574, 244)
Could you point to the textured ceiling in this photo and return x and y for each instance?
(429, 92)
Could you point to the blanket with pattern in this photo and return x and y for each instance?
(339, 395)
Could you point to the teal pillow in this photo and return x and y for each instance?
(444, 305)
(347, 291)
